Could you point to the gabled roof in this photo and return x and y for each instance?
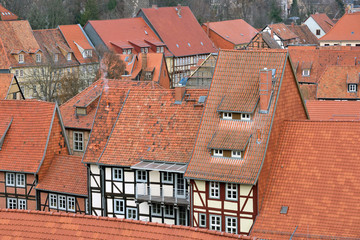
(151, 126)
(26, 140)
(346, 29)
(39, 224)
(323, 21)
(6, 79)
(282, 31)
(66, 174)
(6, 15)
(236, 31)
(181, 32)
(315, 175)
(333, 83)
(304, 34)
(73, 35)
(334, 110)
(236, 74)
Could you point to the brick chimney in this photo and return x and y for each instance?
(179, 93)
(178, 10)
(265, 89)
(143, 61)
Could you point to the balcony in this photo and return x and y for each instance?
(162, 195)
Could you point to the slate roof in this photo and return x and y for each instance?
(25, 142)
(304, 34)
(151, 126)
(236, 74)
(39, 224)
(346, 29)
(323, 21)
(236, 31)
(333, 83)
(314, 174)
(6, 80)
(6, 15)
(73, 35)
(182, 34)
(334, 110)
(66, 174)
(282, 31)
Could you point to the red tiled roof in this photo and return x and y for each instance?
(224, 139)
(282, 31)
(347, 28)
(304, 34)
(6, 14)
(151, 126)
(5, 84)
(308, 91)
(183, 35)
(39, 224)
(314, 174)
(25, 142)
(333, 83)
(236, 31)
(236, 73)
(66, 174)
(333, 110)
(323, 21)
(73, 35)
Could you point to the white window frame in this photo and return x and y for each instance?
(53, 201)
(168, 209)
(156, 209)
(306, 72)
(217, 225)
(166, 176)
(142, 179)
(218, 152)
(227, 115)
(22, 204)
(12, 202)
(21, 73)
(352, 87)
(202, 217)
(10, 179)
(71, 202)
(245, 117)
(38, 58)
(21, 58)
(214, 190)
(116, 172)
(79, 142)
(236, 154)
(133, 212)
(89, 53)
(62, 201)
(56, 57)
(231, 189)
(87, 206)
(68, 57)
(121, 208)
(20, 182)
(17, 72)
(231, 228)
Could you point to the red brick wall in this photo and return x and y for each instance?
(289, 106)
(164, 80)
(219, 41)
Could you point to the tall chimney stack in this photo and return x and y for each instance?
(179, 93)
(265, 89)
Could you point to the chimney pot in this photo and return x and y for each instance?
(265, 89)
(179, 93)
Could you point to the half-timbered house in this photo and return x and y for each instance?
(9, 87)
(251, 93)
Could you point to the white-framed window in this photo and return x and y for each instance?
(352, 87)
(127, 51)
(68, 57)
(169, 211)
(12, 203)
(119, 206)
(20, 180)
(159, 49)
(156, 209)
(167, 177)
(117, 174)
(141, 176)
(231, 225)
(202, 220)
(218, 153)
(131, 213)
(89, 53)
(56, 57)
(215, 222)
(306, 72)
(245, 117)
(227, 115)
(38, 58)
(10, 179)
(231, 191)
(144, 50)
(21, 73)
(53, 201)
(62, 202)
(71, 204)
(22, 204)
(21, 58)
(17, 73)
(236, 154)
(78, 141)
(214, 190)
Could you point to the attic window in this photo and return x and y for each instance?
(352, 87)
(68, 56)
(284, 209)
(245, 117)
(148, 75)
(236, 154)
(127, 51)
(144, 50)
(306, 72)
(38, 58)
(218, 153)
(21, 58)
(159, 49)
(87, 54)
(227, 115)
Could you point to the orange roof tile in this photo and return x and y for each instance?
(314, 174)
(66, 174)
(308, 91)
(5, 84)
(151, 126)
(333, 110)
(182, 33)
(304, 34)
(236, 73)
(323, 21)
(333, 83)
(282, 31)
(347, 28)
(25, 142)
(6, 15)
(73, 35)
(236, 31)
(39, 224)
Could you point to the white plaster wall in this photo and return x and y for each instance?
(228, 205)
(245, 224)
(169, 221)
(108, 187)
(130, 203)
(129, 188)
(245, 190)
(143, 208)
(96, 200)
(313, 26)
(94, 169)
(200, 185)
(108, 173)
(214, 204)
(129, 176)
(168, 190)
(119, 186)
(109, 205)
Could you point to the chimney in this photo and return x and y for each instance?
(144, 61)
(178, 9)
(272, 33)
(258, 136)
(265, 89)
(154, 6)
(179, 93)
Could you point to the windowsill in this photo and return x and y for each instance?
(117, 180)
(78, 150)
(119, 212)
(227, 157)
(214, 197)
(233, 200)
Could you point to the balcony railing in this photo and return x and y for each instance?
(161, 195)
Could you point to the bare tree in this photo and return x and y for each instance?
(70, 85)
(112, 66)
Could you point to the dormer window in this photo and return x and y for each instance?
(236, 154)
(144, 50)
(159, 49)
(227, 115)
(68, 57)
(38, 58)
(21, 58)
(80, 111)
(148, 75)
(306, 72)
(218, 153)
(56, 57)
(352, 87)
(245, 117)
(87, 53)
(127, 51)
